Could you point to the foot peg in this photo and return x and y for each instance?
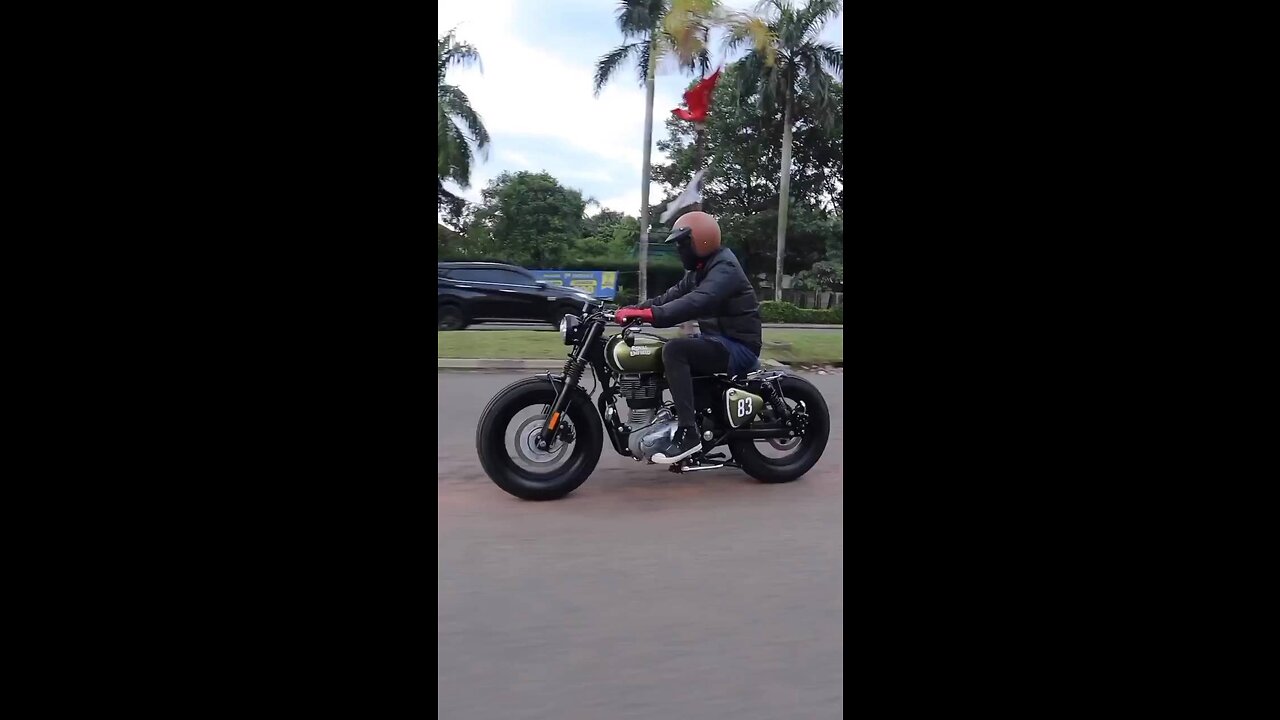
(694, 464)
(702, 467)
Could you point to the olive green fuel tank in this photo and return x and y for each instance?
(644, 356)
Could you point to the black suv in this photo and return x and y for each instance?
(474, 292)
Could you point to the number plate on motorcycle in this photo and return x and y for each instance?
(741, 407)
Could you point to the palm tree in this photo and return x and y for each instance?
(791, 62)
(457, 124)
(651, 28)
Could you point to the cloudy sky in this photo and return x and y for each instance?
(534, 94)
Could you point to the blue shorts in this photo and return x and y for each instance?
(741, 359)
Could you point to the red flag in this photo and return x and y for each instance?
(698, 100)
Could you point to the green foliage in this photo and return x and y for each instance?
(813, 236)
(608, 234)
(742, 182)
(528, 218)
(644, 24)
(824, 276)
(794, 62)
(785, 312)
(458, 126)
(742, 144)
(448, 242)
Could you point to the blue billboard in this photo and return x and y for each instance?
(597, 283)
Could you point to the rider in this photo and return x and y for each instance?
(716, 292)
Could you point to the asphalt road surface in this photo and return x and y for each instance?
(644, 594)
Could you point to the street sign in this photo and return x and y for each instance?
(597, 283)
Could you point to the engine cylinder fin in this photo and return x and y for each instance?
(638, 417)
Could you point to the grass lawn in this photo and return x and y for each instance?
(808, 346)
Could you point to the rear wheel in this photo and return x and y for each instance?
(785, 459)
(505, 441)
(449, 317)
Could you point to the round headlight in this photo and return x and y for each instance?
(564, 327)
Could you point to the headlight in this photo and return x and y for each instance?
(569, 327)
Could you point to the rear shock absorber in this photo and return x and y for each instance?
(774, 398)
(797, 421)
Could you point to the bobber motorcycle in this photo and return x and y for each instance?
(540, 438)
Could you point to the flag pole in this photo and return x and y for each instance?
(700, 137)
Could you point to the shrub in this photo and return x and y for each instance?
(785, 312)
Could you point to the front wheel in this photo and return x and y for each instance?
(509, 426)
(779, 461)
(449, 317)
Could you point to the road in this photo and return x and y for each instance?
(644, 594)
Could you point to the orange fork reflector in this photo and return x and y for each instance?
(555, 417)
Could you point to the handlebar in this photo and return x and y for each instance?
(610, 314)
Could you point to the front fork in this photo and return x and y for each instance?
(573, 369)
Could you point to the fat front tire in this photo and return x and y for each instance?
(492, 435)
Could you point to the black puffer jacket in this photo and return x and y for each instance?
(717, 295)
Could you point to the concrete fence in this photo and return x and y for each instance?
(811, 299)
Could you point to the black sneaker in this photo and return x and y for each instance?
(685, 443)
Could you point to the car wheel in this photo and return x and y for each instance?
(557, 314)
(450, 317)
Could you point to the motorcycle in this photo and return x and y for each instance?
(541, 437)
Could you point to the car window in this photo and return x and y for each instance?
(514, 278)
(492, 275)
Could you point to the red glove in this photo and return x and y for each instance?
(626, 314)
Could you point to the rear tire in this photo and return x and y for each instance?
(491, 436)
(780, 470)
(450, 317)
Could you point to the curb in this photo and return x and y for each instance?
(496, 364)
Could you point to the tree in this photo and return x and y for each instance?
(603, 222)
(742, 186)
(608, 235)
(794, 60)
(448, 242)
(742, 176)
(458, 126)
(649, 29)
(450, 208)
(528, 219)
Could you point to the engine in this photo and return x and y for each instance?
(650, 422)
(645, 440)
(643, 398)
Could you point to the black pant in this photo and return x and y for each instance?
(683, 358)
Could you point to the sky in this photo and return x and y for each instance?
(535, 98)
